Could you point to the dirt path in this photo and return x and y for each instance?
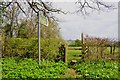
(71, 73)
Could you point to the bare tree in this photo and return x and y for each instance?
(85, 6)
(45, 8)
(12, 10)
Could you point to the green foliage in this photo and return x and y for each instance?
(2, 10)
(77, 43)
(97, 48)
(29, 69)
(98, 69)
(27, 29)
(23, 47)
(72, 52)
(73, 55)
(50, 31)
(50, 47)
(7, 30)
(74, 43)
(19, 47)
(0, 68)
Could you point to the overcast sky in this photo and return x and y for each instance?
(103, 24)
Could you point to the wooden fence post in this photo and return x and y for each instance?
(82, 42)
(82, 45)
(65, 53)
(113, 49)
(110, 49)
(82, 39)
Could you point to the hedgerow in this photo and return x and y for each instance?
(22, 47)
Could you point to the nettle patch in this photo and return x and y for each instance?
(29, 68)
(98, 69)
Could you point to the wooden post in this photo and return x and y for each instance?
(113, 49)
(65, 53)
(82, 45)
(110, 49)
(82, 42)
(81, 39)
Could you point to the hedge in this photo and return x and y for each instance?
(22, 47)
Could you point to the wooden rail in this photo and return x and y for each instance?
(74, 48)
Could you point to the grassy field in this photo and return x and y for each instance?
(73, 54)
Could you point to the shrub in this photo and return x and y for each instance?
(50, 47)
(19, 47)
(23, 47)
(96, 48)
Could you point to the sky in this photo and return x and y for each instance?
(98, 24)
(64, 0)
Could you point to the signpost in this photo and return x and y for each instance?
(41, 20)
(44, 20)
(39, 36)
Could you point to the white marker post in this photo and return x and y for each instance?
(39, 36)
(41, 20)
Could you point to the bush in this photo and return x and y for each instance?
(23, 47)
(50, 47)
(19, 47)
(95, 48)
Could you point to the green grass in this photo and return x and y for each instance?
(73, 54)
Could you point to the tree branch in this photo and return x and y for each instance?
(90, 4)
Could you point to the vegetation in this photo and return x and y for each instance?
(74, 43)
(21, 47)
(20, 44)
(19, 68)
(100, 60)
(29, 69)
(73, 55)
(24, 63)
(98, 69)
(97, 48)
(16, 47)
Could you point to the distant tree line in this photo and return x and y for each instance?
(74, 43)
